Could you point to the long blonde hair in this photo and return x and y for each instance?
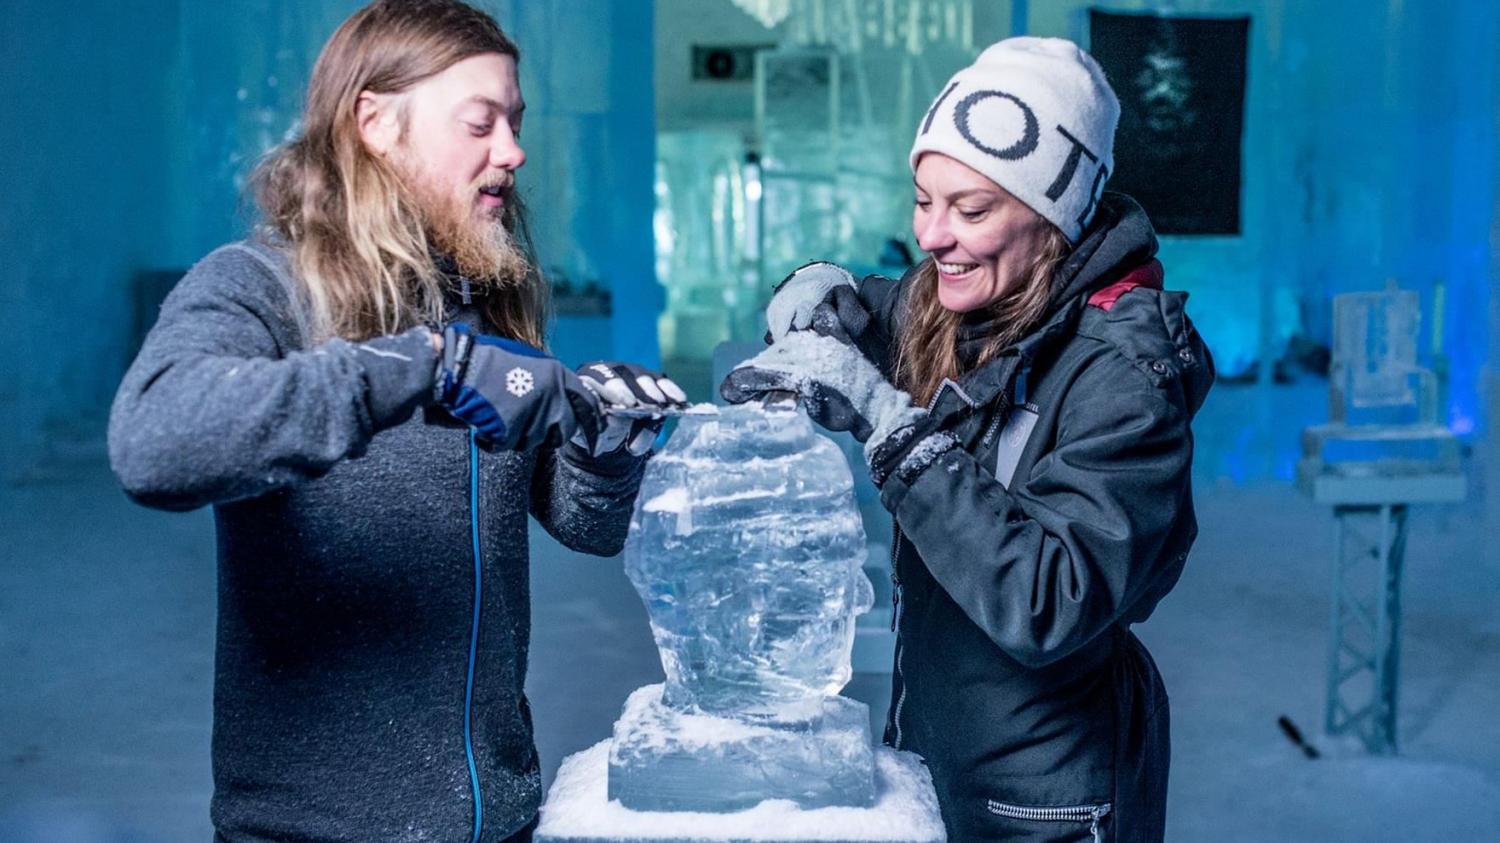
(360, 251)
(927, 342)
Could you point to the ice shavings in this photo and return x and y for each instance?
(924, 453)
(672, 500)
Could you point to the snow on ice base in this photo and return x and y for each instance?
(578, 810)
(665, 759)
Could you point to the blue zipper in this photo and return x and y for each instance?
(473, 635)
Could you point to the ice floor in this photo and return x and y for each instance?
(106, 644)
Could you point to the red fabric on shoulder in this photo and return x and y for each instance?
(1146, 275)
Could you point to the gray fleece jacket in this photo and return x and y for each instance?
(373, 608)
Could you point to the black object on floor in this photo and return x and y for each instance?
(1294, 735)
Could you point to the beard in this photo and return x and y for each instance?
(483, 248)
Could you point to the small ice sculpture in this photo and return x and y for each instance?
(1375, 353)
(747, 547)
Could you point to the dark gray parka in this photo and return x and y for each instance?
(373, 601)
(1023, 557)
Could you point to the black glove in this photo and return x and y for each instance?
(636, 390)
(841, 316)
(513, 395)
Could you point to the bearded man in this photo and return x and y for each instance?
(359, 393)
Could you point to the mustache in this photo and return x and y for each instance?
(502, 180)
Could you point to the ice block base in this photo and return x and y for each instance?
(663, 759)
(579, 810)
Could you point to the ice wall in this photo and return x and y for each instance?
(590, 141)
(1491, 379)
(129, 130)
(590, 133)
(1369, 154)
(82, 161)
(236, 82)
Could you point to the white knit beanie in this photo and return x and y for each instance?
(1037, 117)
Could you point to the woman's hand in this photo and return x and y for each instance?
(840, 389)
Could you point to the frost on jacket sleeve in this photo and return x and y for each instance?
(1094, 535)
(218, 406)
(586, 502)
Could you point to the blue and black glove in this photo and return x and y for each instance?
(514, 396)
(633, 397)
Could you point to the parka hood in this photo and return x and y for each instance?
(1146, 324)
(1118, 240)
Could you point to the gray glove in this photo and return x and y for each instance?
(799, 294)
(840, 389)
(513, 395)
(626, 386)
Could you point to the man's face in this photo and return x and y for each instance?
(459, 150)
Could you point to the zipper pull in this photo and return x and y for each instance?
(462, 348)
(468, 296)
(895, 601)
(895, 580)
(1094, 828)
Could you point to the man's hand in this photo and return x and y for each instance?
(627, 386)
(840, 389)
(820, 295)
(513, 395)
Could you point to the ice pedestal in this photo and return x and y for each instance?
(666, 759)
(579, 810)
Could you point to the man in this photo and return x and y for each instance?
(358, 392)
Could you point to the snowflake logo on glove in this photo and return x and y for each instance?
(518, 381)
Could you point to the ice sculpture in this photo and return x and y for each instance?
(747, 548)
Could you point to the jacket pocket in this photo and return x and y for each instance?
(1092, 815)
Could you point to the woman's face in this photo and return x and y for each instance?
(981, 237)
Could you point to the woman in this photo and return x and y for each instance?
(1025, 396)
